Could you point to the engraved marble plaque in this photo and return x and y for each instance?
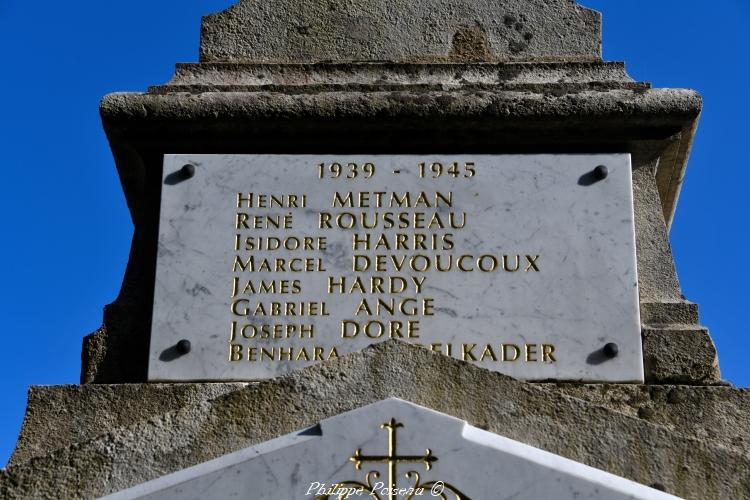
(524, 264)
(391, 449)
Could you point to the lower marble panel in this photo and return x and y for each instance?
(391, 449)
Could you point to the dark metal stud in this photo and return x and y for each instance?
(601, 172)
(611, 350)
(183, 346)
(187, 171)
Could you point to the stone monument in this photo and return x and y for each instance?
(396, 250)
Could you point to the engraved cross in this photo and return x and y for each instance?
(392, 458)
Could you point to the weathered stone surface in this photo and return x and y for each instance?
(555, 76)
(59, 416)
(651, 108)
(680, 312)
(657, 276)
(680, 355)
(390, 30)
(719, 415)
(633, 446)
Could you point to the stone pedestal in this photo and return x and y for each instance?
(691, 441)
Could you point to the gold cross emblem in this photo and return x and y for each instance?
(392, 459)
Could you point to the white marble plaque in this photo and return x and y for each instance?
(523, 264)
(391, 449)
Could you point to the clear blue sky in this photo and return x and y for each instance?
(67, 230)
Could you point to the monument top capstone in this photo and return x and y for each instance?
(422, 31)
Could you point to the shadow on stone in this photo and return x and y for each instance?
(597, 357)
(589, 178)
(315, 430)
(170, 354)
(175, 178)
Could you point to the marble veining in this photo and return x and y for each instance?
(569, 234)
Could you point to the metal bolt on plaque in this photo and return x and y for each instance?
(601, 172)
(611, 350)
(183, 346)
(187, 171)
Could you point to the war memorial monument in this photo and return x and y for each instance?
(396, 249)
